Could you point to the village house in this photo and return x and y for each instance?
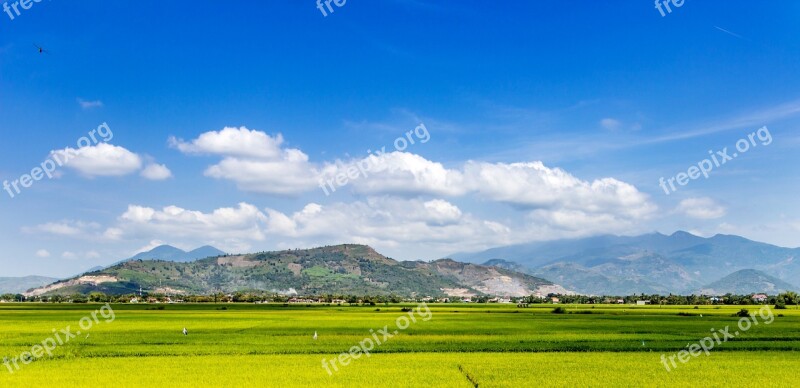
(760, 298)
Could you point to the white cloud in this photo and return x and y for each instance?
(385, 222)
(403, 173)
(156, 172)
(227, 228)
(611, 124)
(100, 160)
(43, 253)
(257, 163)
(525, 185)
(69, 255)
(537, 186)
(701, 208)
(90, 104)
(292, 174)
(254, 160)
(240, 142)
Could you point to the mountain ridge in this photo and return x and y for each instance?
(678, 263)
(170, 253)
(748, 281)
(18, 285)
(340, 269)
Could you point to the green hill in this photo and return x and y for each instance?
(748, 281)
(341, 269)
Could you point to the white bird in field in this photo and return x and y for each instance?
(643, 343)
(315, 336)
(185, 332)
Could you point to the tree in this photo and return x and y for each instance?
(788, 297)
(98, 297)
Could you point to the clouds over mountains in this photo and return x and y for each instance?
(403, 199)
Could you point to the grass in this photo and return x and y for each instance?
(491, 345)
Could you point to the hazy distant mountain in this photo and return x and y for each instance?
(342, 269)
(748, 281)
(22, 284)
(679, 263)
(170, 253)
(509, 265)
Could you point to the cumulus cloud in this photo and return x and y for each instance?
(383, 222)
(156, 172)
(701, 208)
(99, 160)
(537, 186)
(230, 227)
(240, 142)
(386, 222)
(255, 161)
(553, 199)
(43, 253)
(291, 174)
(107, 160)
(403, 173)
(528, 186)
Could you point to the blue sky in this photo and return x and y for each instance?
(544, 120)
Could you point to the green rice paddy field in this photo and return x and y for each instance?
(458, 346)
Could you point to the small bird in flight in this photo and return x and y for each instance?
(185, 332)
(41, 49)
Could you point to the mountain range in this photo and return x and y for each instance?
(170, 253)
(654, 263)
(21, 284)
(681, 263)
(341, 269)
(15, 285)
